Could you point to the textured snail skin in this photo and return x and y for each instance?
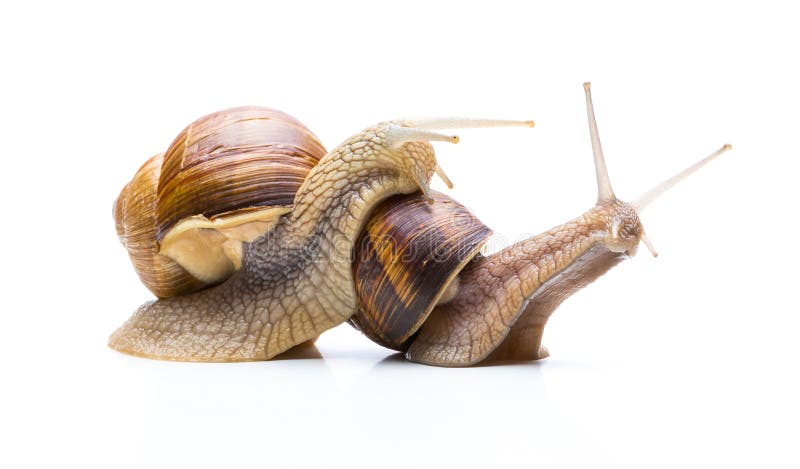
(296, 281)
(505, 299)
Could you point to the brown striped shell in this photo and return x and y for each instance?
(407, 262)
(224, 180)
(135, 216)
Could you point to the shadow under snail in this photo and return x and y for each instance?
(255, 240)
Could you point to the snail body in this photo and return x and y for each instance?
(365, 239)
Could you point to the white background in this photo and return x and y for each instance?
(687, 360)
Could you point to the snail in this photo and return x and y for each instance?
(363, 240)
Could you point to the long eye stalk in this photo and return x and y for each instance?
(464, 123)
(648, 197)
(604, 191)
(421, 130)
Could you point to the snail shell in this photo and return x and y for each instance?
(224, 180)
(407, 262)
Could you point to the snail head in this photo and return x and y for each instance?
(407, 142)
(624, 230)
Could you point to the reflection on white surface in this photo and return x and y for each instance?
(358, 405)
(361, 406)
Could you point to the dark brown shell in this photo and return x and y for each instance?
(407, 256)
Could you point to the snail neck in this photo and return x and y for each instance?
(310, 251)
(570, 260)
(336, 198)
(535, 260)
(330, 210)
(504, 299)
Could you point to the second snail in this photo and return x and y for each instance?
(256, 240)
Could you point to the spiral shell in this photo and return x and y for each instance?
(224, 180)
(407, 262)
